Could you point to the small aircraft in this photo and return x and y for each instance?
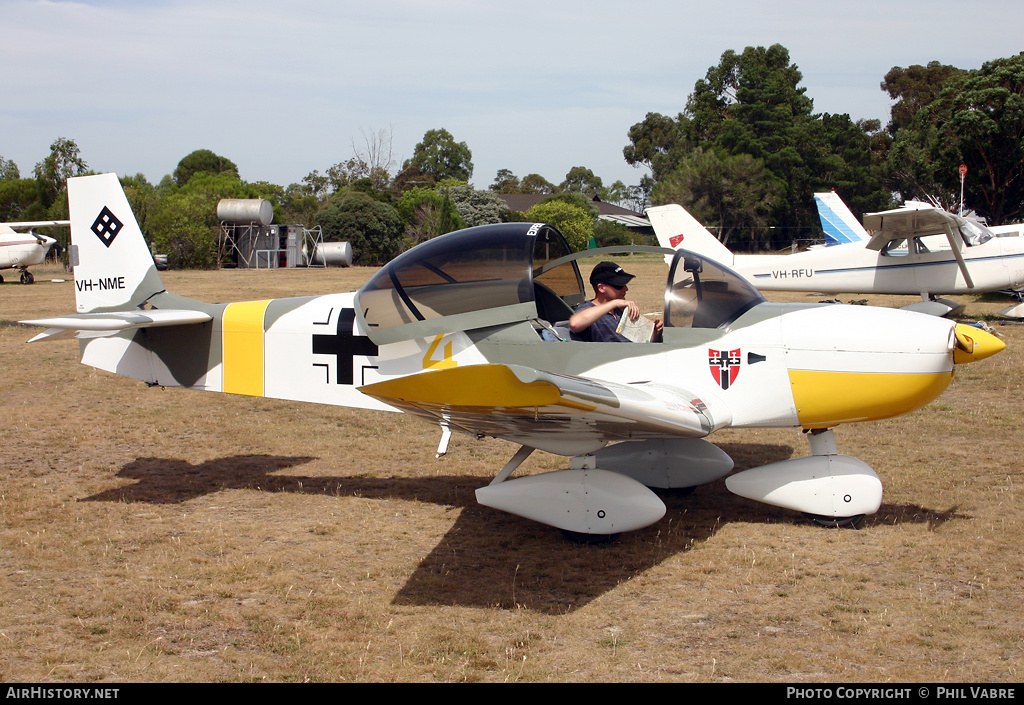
(916, 249)
(22, 250)
(465, 330)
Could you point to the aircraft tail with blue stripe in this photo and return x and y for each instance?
(839, 224)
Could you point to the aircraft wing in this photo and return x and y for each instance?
(93, 325)
(516, 402)
(915, 219)
(37, 224)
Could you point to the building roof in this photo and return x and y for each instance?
(523, 202)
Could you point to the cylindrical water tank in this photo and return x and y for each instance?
(333, 254)
(245, 210)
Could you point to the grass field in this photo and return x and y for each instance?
(170, 535)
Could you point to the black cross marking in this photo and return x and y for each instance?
(344, 346)
(106, 226)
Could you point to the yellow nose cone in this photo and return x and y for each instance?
(974, 344)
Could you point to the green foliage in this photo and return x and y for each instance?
(63, 162)
(506, 182)
(182, 222)
(913, 88)
(475, 207)
(582, 180)
(535, 183)
(19, 200)
(439, 156)
(976, 119)
(373, 228)
(751, 105)
(183, 225)
(727, 193)
(574, 222)
(142, 197)
(8, 169)
(427, 214)
(609, 234)
(202, 160)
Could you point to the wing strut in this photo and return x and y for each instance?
(521, 455)
(956, 253)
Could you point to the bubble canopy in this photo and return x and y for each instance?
(499, 274)
(470, 278)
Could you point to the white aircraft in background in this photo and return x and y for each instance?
(464, 331)
(22, 250)
(917, 249)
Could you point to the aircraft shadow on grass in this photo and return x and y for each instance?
(525, 564)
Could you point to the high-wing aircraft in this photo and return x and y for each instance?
(465, 331)
(22, 250)
(915, 249)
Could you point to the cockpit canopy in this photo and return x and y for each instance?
(499, 274)
(702, 293)
(471, 278)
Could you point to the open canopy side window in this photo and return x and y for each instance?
(704, 294)
(471, 278)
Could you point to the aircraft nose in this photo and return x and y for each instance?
(972, 344)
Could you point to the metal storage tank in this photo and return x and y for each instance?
(334, 254)
(245, 210)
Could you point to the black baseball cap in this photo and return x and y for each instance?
(610, 273)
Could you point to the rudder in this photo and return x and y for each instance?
(114, 270)
(676, 228)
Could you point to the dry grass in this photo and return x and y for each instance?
(167, 535)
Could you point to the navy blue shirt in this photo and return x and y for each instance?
(603, 329)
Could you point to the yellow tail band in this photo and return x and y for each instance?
(243, 347)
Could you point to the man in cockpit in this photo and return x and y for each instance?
(595, 321)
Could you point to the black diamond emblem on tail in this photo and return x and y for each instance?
(106, 226)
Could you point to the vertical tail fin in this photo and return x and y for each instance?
(114, 270)
(837, 221)
(676, 228)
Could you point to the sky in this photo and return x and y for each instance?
(285, 88)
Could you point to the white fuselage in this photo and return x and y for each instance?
(22, 249)
(853, 268)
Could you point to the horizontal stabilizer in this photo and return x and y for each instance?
(37, 224)
(90, 325)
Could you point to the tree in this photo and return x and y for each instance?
(441, 157)
(506, 182)
(535, 183)
(8, 169)
(729, 193)
(913, 88)
(183, 225)
(977, 120)
(583, 180)
(52, 173)
(475, 207)
(19, 200)
(202, 160)
(373, 228)
(183, 220)
(142, 198)
(427, 214)
(656, 143)
(752, 104)
(574, 222)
